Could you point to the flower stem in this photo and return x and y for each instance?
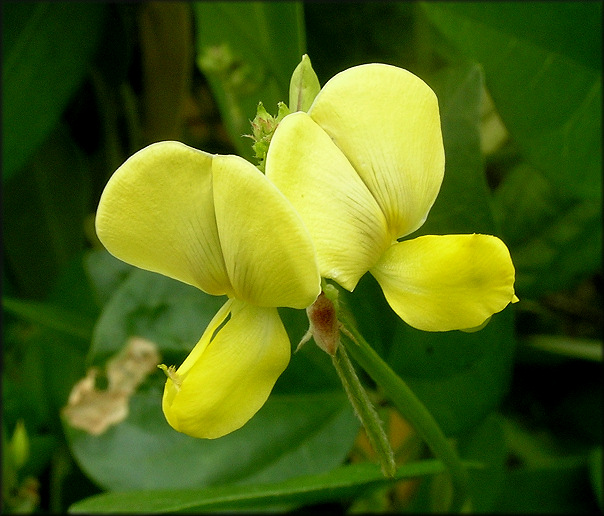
(412, 409)
(365, 411)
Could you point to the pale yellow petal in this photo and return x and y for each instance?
(450, 282)
(268, 253)
(387, 123)
(157, 213)
(346, 224)
(229, 375)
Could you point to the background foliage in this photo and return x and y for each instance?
(87, 84)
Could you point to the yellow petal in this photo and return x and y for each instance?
(268, 252)
(346, 224)
(450, 282)
(386, 121)
(228, 376)
(157, 213)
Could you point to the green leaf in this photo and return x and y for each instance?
(595, 474)
(43, 213)
(460, 377)
(555, 239)
(248, 51)
(558, 488)
(586, 349)
(542, 81)
(545, 479)
(289, 436)
(105, 274)
(485, 444)
(463, 204)
(166, 39)
(343, 483)
(52, 316)
(46, 50)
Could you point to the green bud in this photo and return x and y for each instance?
(19, 445)
(263, 127)
(303, 87)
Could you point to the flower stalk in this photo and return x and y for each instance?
(365, 411)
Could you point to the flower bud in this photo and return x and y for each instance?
(303, 87)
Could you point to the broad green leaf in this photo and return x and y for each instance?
(289, 436)
(548, 97)
(248, 51)
(460, 377)
(46, 50)
(555, 239)
(343, 483)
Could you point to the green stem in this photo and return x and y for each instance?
(365, 411)
(413, 410)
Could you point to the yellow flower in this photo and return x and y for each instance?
(217, 223)
(363, 168)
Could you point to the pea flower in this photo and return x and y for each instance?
(363, 168)
(217, 223)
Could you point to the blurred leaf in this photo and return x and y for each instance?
(166, 44)
(105, 273)
(289, 436)
(342, 483)
(46, 50)
(44, 353)
(248, 51)
(460, 377)
(555, 489)
(555, 240)
(51, 315)
(586, 349)
(463, 204)
(543, 478)
(485, 444)
(43, 213)
(595, 474)
(545, 81)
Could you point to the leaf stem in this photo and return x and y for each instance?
(412, 409)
